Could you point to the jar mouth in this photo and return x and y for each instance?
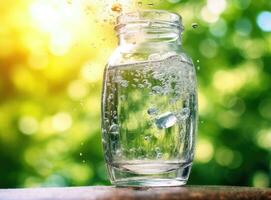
(162, 17)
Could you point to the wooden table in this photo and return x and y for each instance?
(112, 193)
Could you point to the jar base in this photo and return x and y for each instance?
(124, 178)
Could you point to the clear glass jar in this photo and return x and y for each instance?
(149, 103)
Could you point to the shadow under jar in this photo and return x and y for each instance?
(149, 103)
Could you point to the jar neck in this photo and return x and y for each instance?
(154, 31)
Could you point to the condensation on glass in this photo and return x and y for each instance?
(149, 103)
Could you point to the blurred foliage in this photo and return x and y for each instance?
(52, 55)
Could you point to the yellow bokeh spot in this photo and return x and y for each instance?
(260, 179)
(62, 121)
(264, 139)
(204, 151)
(77, 89)
(28, 125)
(92, 72)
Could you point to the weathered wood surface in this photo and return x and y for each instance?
(112, 193)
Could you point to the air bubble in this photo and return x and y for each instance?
(157, 89)
(147, 138)
(124, 83)
(184, 114)
(152, 111)
(114, 129)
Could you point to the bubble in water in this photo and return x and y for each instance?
(157, 89)
(124, 83)
(184, 114)
(159, 155)
(154, 56)
(110, 96)
(152, 111)
(165, 120)
(157, 150)
(140, 85)
(114, 129)
(194, 25)
(147, 138)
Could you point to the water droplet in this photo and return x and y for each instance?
(124, 83)
(114, 129)
(195, 25)
(157, 89)
(197, 61)
(165, 120)
(110, 96)
(159, 155)
(198, 68)
(81, 154)
(147, 138)
(152, 111)
(184, 114)
(157, 150)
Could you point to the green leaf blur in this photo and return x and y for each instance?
(52, 55)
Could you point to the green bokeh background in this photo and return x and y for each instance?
(50, 98)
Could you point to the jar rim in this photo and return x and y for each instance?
(158, 16)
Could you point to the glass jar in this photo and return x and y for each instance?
(149, 103)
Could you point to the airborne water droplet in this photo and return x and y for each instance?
(166, 120)
(152, 111)
(194, 25)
